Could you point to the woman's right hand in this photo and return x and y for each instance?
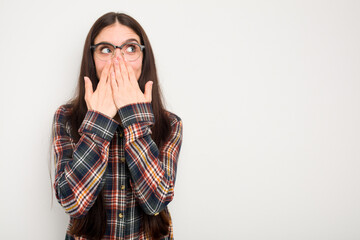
(101, 100)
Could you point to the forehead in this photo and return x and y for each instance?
(116, 34)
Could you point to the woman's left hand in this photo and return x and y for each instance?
(125, 86)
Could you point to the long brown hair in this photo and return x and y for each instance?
(93, 225)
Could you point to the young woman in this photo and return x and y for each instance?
(116, 147)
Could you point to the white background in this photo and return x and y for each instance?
(269, 94)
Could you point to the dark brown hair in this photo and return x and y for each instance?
(93, 224)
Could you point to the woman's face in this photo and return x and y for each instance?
(117, 34)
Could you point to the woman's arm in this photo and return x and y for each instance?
(80, 166)
(153, 170)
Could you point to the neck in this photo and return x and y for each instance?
(117, 118)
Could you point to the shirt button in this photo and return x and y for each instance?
(122, 160)
(121, 215)
(121, 134)
(122, 187)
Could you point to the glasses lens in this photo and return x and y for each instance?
(104, 51)
(131, 51)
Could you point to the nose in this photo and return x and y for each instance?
(117, 52)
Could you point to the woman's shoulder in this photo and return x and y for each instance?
(173, 118)
(62, 112)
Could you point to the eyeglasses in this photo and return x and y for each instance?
(105, 51)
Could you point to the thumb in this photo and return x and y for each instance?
(88, 88)
(148, 91)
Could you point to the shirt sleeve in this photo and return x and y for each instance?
(153, 170)
(80, 167)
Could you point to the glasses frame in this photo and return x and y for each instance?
(142, 47)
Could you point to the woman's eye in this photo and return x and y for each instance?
(105, 50)
(131, 48)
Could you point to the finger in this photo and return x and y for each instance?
(114, 87)
(118, 77)
(88, 89)
(123, 69)
(109, 80)
(112, 78)
(108, 77)
(132, 76)
(105, 73)
(114, 84)
(148, 91)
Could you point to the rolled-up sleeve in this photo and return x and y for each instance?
(153, 169)
(80, 167)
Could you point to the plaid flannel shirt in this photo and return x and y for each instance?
(123, 159)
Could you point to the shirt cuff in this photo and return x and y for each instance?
(99, 124)
(136, 113)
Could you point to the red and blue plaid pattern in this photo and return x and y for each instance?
(123, 159)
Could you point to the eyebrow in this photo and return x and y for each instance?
(128, 40)
(131, 40)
